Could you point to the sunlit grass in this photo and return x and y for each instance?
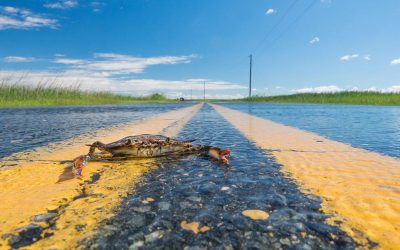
(47, 95)
(345, 97)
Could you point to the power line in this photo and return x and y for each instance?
(280, 35)
(234, 65)
(294, 22)
(275, 26)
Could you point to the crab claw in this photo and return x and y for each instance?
(220, 154)
(223, 154)
(77, 172)
(79, 163)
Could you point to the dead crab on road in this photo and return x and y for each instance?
(147, 146)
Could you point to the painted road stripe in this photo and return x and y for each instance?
(30, 187)
(360, 188)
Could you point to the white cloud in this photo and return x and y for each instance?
(354, 89)
(17, 18)
(116, 73)
(355, 56)
(349, 57)
(99, 82)
(396, 61)
(118, 64)
(69, 61)
(214, 96)
(319, 89)
(315, 40)
(333, 89)
(392, 89)
(270, 12)
(10, 9)
(97, 6)
(371, 89)
(17, 59)
(64, 4)
(190, 84)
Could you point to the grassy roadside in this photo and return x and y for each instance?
(20, 95)
(346, 97)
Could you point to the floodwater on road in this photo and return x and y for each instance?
(195, 202)
(375, 128)
(26, 128)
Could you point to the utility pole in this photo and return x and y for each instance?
(204, 92)
(251, 65)
(191, 92)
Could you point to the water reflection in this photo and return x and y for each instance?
(374, 128)
(26, 128)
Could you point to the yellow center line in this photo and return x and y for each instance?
(360, 188)
(30, 187)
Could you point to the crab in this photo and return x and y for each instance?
(148, 146)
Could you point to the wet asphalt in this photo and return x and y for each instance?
(195, 189)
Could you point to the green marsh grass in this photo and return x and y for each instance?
(345, 97)
(12, 95)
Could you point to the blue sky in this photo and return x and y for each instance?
(171, 46)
